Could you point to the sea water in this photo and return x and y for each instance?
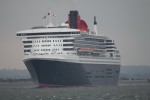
(124, 91)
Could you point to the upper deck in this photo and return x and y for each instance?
(47, 31)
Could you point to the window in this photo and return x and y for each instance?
(27, 46)
(67, 44)
(68, 49)
(27, 41)
(109, 43)
(70, 40)
(94, 39)
(111, 54)
(111, 47)
(33, 37)
(108, 40)
(27, 50)
(110, 50)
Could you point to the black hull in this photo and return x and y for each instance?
(72, 74)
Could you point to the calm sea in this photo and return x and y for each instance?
(126, 90)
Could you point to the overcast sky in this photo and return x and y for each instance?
(125, 21)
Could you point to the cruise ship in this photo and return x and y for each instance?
(69, 54)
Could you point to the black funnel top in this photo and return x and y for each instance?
(95, 23)
(73, 16)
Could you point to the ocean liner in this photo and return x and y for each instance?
(69, 54)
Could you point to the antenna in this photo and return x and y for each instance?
(95, 26)
(43, 20)
(95, 23)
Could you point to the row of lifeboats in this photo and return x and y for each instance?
(91, 51)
